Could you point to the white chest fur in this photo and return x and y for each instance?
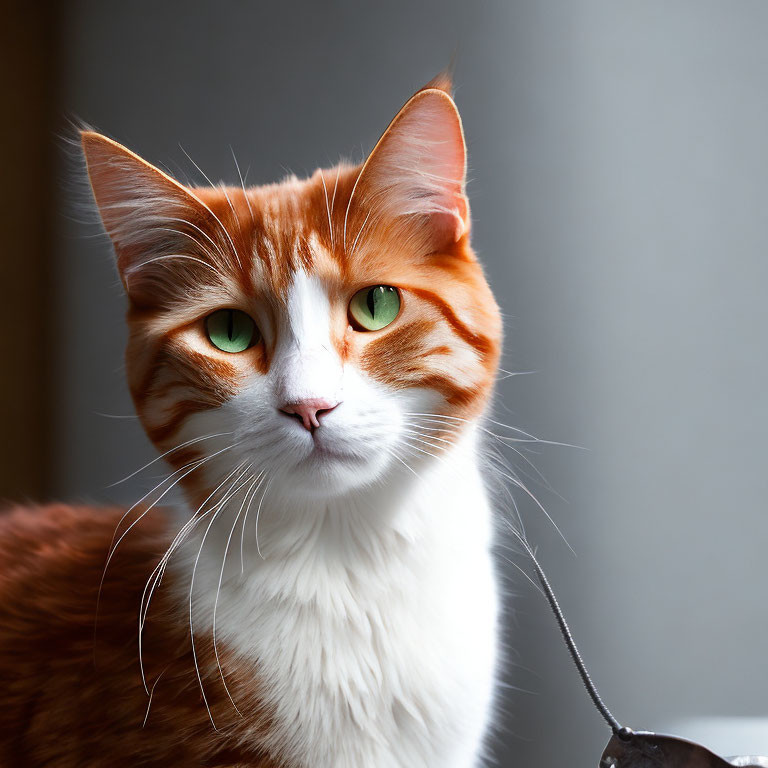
(372, 622)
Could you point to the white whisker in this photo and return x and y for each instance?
(218, 220)
(114, 545)
(258, 512)
(229, 495)
(349, 203)
(394, 455)
(165, 257)
(335, 185)
(242, 530)
(242, 184)
(151, 694)
(360, 232)
(167, 453)
(328, 209)
(159, 570)
(253, 488)
(421, 450)
(174, 219)
(516, 482)
(428, 437)
(223, 189)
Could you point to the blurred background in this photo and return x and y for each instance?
(619, 186)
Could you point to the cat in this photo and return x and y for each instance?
(313, 359)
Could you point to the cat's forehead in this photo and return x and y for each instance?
(306, 226)
(294, 226)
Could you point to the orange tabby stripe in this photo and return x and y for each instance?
(481, 343)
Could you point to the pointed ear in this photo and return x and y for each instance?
(149, 216)
(418, 166)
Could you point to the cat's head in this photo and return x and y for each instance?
(321, 332)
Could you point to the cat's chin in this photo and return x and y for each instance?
(331, 471)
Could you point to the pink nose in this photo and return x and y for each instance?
(308, 412)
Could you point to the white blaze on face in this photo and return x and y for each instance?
(306, 366)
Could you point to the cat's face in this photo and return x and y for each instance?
(320, 332)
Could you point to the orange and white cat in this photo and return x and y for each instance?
(313, 358)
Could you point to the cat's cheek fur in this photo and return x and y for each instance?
(372, 633)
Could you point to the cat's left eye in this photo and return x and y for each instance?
(375, 307)
(231, 330)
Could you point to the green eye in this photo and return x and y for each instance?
(231, 330)
(375, 307)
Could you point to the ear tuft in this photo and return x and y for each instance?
(443, 81)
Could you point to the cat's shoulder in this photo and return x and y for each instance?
(64, 541)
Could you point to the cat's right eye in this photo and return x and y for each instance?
(231, 330)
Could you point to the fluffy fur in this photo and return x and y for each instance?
(327, 598)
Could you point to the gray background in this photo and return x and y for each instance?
(619, 185)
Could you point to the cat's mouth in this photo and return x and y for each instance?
(324, 452)
(323, 444)
(335, 455)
